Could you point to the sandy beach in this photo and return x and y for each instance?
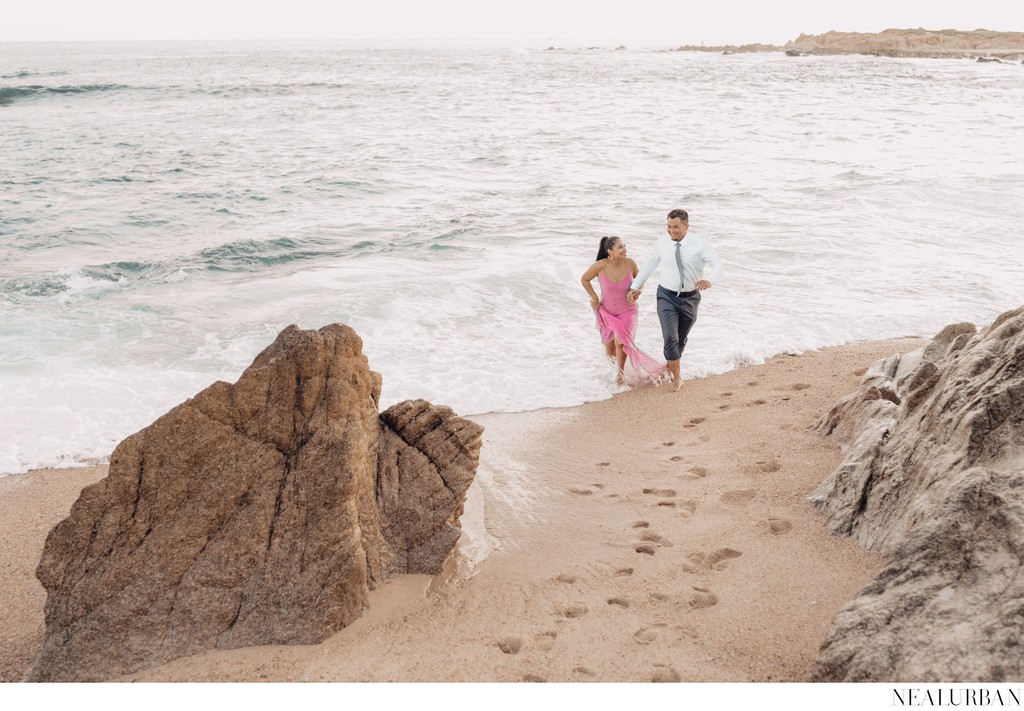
(650, 537)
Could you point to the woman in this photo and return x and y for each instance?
(616, 317)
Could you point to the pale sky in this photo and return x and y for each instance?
(671, 21)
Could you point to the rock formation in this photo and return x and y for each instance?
(984, 45)
(912, 43)
(933, 476)
(729, 48)
(255, 513)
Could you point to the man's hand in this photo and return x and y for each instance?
(632, 295)
(702, 285)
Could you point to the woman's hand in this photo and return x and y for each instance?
(594, 303)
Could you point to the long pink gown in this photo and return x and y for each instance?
(616, 318)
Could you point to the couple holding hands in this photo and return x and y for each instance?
(683, 258)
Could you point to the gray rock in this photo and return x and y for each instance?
(942, 344)
(935, 481)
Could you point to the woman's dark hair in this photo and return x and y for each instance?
(607, 243)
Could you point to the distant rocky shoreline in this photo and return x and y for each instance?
(983, 45)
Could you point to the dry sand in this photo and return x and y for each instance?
(653, 536)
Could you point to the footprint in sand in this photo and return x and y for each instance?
(660, 597)
(510, 645)
(694, 422)
(667, 504)
(567, 578)
(665, 493)
(583, 671)
(770, 466)
(603, 464)
(641, 524)
(665, 673)
(582, 491)
(694, 563)
(667, 444)
(720, 558)
(687, 508)
(727, 394)
(545, 640)
(647, 635)
(577, 609)
(703, 598)
(778, 526)
(700, 472)
(534, 678)
(618, 601)
(738, 497)
(716, 560)
(677, 458)
(800, 386)
(619, 572)
(646, 549)
(651, 537)
(726, 406)
(757, 402)
(752, 384)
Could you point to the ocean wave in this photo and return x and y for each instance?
(286, 89)
(25, 73)
(243, 256)
(70, 282)
(249, 255)
(121, 271)
(33, 287)
(10, 94)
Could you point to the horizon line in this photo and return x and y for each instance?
(550, 38)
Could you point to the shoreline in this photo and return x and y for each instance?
(645, 537)
(76, 462)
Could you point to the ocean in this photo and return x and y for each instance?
(167, 208)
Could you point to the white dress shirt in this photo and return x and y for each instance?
(697, 254)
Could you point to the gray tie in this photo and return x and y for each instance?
(679, 263)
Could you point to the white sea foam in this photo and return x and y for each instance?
(82, 412)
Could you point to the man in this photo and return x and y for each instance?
(684, 258)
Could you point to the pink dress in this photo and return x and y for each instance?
(616, 317)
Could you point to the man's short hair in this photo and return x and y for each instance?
(683, 215)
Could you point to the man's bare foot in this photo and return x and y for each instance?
(677, 386)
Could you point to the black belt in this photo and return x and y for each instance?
(679, 294)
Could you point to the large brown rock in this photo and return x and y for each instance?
(255, 513)
(933, 476)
